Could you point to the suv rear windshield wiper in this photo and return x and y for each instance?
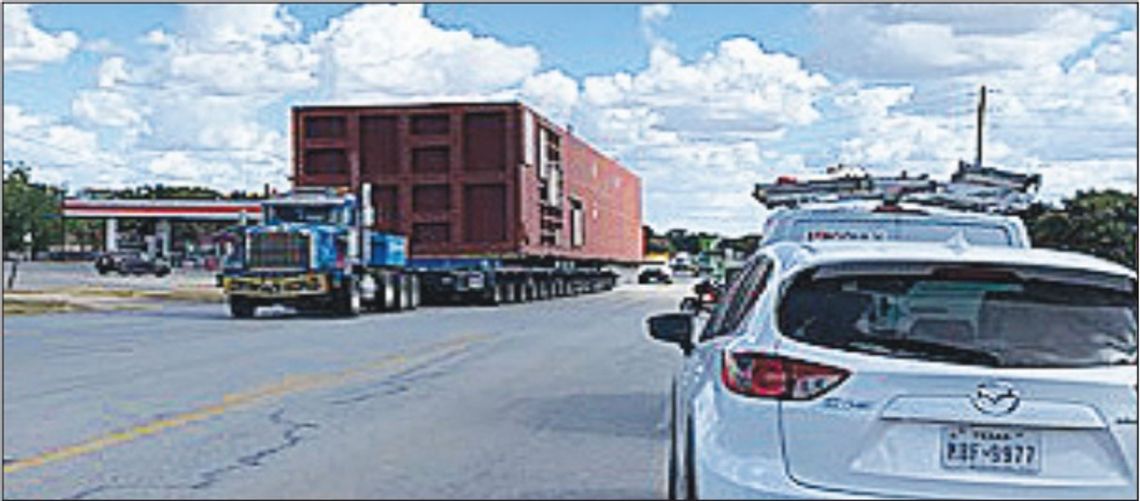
(940, 351)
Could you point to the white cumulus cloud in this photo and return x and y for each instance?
(393, 52)
(655, 12)
(60, 152)
(26, 46)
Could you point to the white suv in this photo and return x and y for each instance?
(909, 370)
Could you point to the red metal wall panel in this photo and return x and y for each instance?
(485, 213)
(428, 198)
(431, 125)
(483, 141)
(431, 159)
(466, 179)
(379, 147)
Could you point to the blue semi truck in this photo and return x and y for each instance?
(314, 251)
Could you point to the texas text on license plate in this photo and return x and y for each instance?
(991, 448)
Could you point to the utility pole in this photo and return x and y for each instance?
(981, 117)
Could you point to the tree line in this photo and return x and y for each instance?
(35, 208)
(1098, 222)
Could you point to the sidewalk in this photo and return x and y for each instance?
(45, 287)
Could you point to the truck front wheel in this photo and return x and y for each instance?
(347, 299)
(241, 307)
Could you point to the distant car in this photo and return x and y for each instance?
(682, 263)
(129, 262)
(654, 274)
(908, 370)
(109, 261)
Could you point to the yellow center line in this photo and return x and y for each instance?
(290, 384)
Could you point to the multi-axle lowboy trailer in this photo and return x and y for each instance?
(497, 281)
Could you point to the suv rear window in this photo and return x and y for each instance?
(997, 318)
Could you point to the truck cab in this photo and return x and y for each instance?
(313, 251)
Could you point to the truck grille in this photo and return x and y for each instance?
(279, 250)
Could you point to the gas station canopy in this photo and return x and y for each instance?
(215, 210)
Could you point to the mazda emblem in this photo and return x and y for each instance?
(996, 398)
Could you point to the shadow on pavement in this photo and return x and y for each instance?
(635, 415)
(592, 494)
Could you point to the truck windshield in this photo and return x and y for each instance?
(323, 214)
(996, 320)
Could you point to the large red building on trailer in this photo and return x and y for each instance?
(464, 179)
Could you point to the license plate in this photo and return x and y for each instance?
(991, 448)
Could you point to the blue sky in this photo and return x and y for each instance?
(700, 100)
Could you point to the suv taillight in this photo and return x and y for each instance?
(770, 376)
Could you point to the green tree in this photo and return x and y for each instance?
(1101, 223)
(29, 207)
(654, 243)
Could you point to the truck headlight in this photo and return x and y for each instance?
(475, 281)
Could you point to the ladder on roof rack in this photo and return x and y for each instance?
(984, 189)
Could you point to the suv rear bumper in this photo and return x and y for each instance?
(754, 479)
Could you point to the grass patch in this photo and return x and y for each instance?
(209, 295)
(40, 307)
(201, 295)
(92, 292)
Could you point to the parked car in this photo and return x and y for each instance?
(109, 261)
(930, 370)
(131, 262)
(654, 274)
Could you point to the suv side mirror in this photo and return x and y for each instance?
(676, 328)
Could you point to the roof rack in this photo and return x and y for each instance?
(973, 188)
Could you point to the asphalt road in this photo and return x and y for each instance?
(556, 399)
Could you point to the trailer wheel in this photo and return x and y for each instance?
(388, 302)
(368, 290)
(397, 292)
(241, 307)
(493, 296)
(403, 293)
(414, 291)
